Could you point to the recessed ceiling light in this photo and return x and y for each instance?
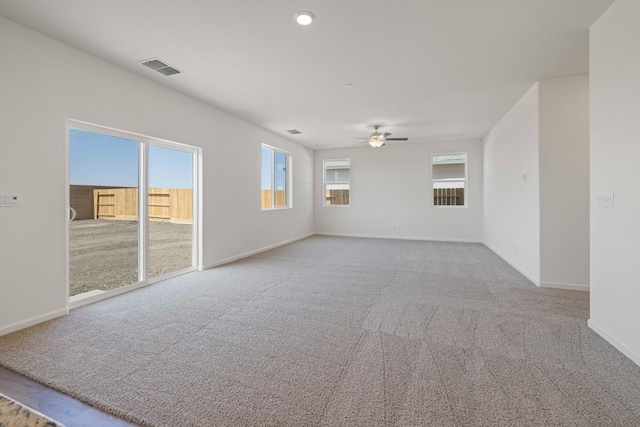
(304, 17)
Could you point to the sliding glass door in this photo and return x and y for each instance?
(170, 210)
(104, 234)
(132, 207)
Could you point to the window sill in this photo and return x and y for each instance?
(280, 208)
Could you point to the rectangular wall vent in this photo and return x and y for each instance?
(161, 67)
(294, 131)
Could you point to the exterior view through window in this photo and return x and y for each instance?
(125, 228)
(275, 178)
(337, 177)
(170, 212)
(449, 176)
(104, 236)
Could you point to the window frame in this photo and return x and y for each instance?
(144, 143)
(324, 182)
(288, 181)
(465, 181)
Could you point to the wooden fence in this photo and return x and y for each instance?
(448, 196)
(81, 200)
(165, 204)
(280, 199)
(337, 197)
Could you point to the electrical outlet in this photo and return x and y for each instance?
(605, 200)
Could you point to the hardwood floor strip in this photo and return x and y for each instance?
(58, 406)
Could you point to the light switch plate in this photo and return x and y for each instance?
(605, 200)
(9, 200)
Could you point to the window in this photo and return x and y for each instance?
(449, 175)
(337, 175)
(275, 178)
(137, 189)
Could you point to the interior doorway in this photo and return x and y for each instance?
(132, 211)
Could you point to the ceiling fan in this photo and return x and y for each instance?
(377, 139)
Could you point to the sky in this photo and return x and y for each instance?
(97, 159)
(266, 169)
(280, 175)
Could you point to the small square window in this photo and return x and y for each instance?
(337, 182)
(275, 178)
(449, 177)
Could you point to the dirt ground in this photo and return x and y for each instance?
(104, 254)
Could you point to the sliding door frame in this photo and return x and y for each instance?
(144, 142)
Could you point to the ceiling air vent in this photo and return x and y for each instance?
(294, 131)
(161, 67)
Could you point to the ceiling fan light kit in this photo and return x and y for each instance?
(376, 140)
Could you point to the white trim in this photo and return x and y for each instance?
(256, 251)
(144, 144)
(118, 133)
(33, 321)
(635, 357)
(90, 299)
(171, 274)
(324, 182)
(143, 210)
(67, 194)
(566, 286)
(107, 294)
(520, 270)
(371, 236)
(465, 180)
(198, 223)
(86, 295)
(288, 185)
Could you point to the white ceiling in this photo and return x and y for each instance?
(430, 70)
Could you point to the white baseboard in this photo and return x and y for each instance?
(635, 357)
(33, 321)
(566, 286)
(520, 270)
(371, 236)
(254, 252)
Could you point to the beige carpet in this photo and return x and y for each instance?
(339, 331)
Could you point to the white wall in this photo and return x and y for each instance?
(540, 224)
(615, 150)
(44, 82)
(511, 219)
(391, 194)
(564, 182)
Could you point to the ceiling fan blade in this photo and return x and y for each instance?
(386, 134)
(360, 143)
(396, 139)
